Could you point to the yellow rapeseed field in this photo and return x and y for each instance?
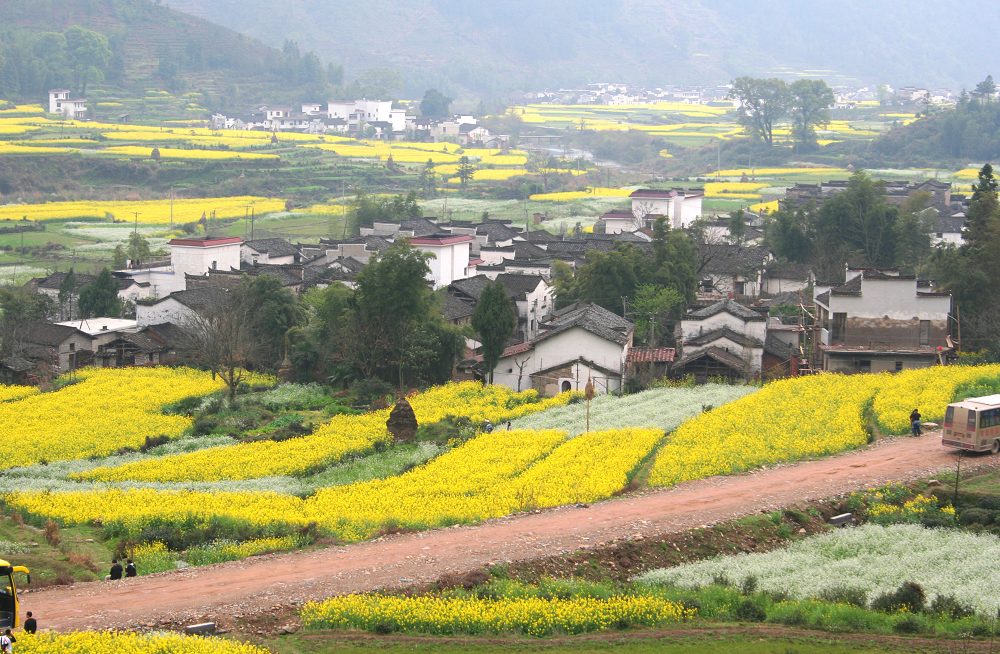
(534, 616)
(109, 642)
(590, 192)
(331, 441)
(109, 409)
(176, 153)
(151, 212)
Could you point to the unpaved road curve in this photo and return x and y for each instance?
(262, 584)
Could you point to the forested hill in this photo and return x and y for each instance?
(970, 132)
(149, 46)
(492, 46)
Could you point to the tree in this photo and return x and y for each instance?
(19, 307)
(787, 234)
(137, 249)
(88, 53)
(275, 313)
(655, 308)
(985, 90)
(100, 298)
(762, 103)
(860, 218)
(737, 225)
(222, 339)
(391, 299)
(913, 232)
(465, 170)
(810, 101)
(67, 295)
(494, 321)
(435, 104)
(119, 258)
(675, 260)
(428, 178)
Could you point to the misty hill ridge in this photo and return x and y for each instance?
(494, 46)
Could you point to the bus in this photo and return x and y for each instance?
(8, 594)
(973, 424)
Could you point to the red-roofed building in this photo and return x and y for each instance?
(450, 256)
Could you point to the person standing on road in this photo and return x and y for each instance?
(130, 570)
(30, 624)
(915, 423)
(116, 571)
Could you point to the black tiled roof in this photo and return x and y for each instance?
(200, 299)
(591, 317)
(46, 333)
(275, 247)
(496, 231)
(455, 307)
(724, 332)
(518, 285)
(731, 306)
(725, 259)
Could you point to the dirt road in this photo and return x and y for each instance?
(262, 584)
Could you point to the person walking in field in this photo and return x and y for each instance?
(915, 423)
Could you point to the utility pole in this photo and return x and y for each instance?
(135, 230)
(251, 221)
(171, 207)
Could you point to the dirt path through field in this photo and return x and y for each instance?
(263, 584)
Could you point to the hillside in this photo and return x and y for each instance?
(970, 132)
(152, 47)
(490, 47)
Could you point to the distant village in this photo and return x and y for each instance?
(871, 320)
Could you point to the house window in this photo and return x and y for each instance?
(215, 264)
(899, 366)
(72, 346)
(940, 234)
(864, 365)
(740, 288)
(839, 327)
(566, 386)
(925, 332)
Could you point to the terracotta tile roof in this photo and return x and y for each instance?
(651, 355)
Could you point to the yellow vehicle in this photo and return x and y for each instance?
(973, 424)
(8, 594)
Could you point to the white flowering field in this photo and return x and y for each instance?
(872, 558)
(661, 408)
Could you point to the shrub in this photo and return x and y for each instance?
(749, 585)
(910, 624)
(975, 517)
(845, 595)
(749, 610)
(908, 597)
(949, 606)
(52, 533)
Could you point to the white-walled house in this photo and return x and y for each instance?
(723, 339)
(61, 103)
(450, 259)
(881, 321)
(274, 251)
(179, 308)
(579, 343)
(533, 298)
(681, 208)
(188, 256)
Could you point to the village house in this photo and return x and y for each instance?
(785, 277)
(578, 343)
(727, 270)
(61, 103)
(880, 320)
(532, 296)
(188, 256)
(681, 208)
(725, 339)
(269, 251)
(180, 307)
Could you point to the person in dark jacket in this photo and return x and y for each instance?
(116, 570)
(915, 423)
(130, 570)
(30, 624)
